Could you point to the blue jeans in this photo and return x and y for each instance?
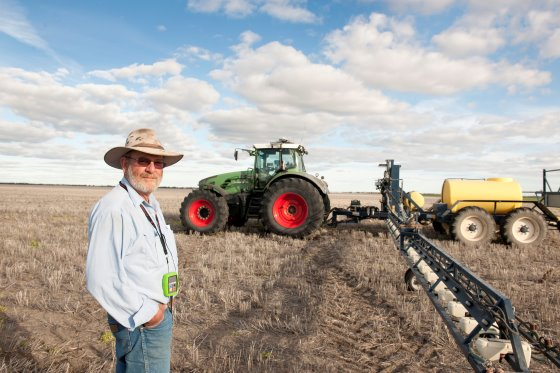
(144, 350)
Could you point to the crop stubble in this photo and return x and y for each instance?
(250, 301)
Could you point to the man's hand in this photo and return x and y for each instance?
(157, 318)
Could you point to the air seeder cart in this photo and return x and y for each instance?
(473, 211)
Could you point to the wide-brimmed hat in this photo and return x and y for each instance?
(142, 140)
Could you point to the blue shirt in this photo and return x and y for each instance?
(126, 261)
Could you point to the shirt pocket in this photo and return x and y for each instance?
(145, 251)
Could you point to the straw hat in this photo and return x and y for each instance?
(142, 140)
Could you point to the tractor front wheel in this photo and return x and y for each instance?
(292, 207)
(523, 227)
(473, 226)
(204, 211)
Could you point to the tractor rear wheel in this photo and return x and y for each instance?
(473, 226)
(523, 227)
(292, 207)
(204, 211)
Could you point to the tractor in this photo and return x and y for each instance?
(277, 190)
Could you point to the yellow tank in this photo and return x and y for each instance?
(489, 189)
(417, 197)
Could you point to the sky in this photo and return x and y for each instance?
(446, 88)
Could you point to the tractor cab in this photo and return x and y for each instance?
(273, 158)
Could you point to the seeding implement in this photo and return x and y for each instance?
(277, 191)
(476, 211)
(480, 318)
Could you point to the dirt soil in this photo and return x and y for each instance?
(250, 301)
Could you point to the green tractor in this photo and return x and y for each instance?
(277, 191)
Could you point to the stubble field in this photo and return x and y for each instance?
(250, 301)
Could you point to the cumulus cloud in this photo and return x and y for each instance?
(160, 68)
(285, 10)
(486, 26)
(26, 133)
(183, 95)
(101, 108)
(540, 27)
(377, 51)
(467, 42)
(279, 78)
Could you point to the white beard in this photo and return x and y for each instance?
(143, 185)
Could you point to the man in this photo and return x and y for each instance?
(131, 267)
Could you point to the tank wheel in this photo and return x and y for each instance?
(292, 207)
(204, 211)
(473, 226)
(411, 281)
(523, 227)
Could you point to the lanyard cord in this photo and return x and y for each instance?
(158, 228)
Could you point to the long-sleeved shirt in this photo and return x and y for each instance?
(126, 261)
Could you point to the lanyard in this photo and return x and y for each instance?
(158, 228)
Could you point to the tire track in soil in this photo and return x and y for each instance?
(344, 324)
(357, 331)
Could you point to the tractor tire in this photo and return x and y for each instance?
(203, 211)
(292, 207)
(411, 281)
(523, 227)
(473, 226)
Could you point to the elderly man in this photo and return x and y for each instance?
(131, 267)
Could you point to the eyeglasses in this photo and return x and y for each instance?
(145, 162)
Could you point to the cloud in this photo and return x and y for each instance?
(232, 8)
(14, 23)
(288, 10)
(281, 79)
(540, 27)
(425, 7)
(183, 95)
(101, 108)
(26, 133)
(460, 42)
(486, 26)
(193, 53)
(161, 28)
(377, 51)
(285, 10)
(160, 68)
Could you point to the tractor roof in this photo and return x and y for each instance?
(281, 143)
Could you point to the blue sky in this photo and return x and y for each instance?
(447, 88)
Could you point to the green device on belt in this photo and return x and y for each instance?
(170, 284)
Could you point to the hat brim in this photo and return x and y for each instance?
(113, 156)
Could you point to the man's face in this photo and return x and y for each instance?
(145, 179)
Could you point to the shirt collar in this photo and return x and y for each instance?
(135, 197)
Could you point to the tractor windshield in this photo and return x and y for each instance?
(270, 161)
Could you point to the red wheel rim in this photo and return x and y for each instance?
(290, 210)
(201, 213)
